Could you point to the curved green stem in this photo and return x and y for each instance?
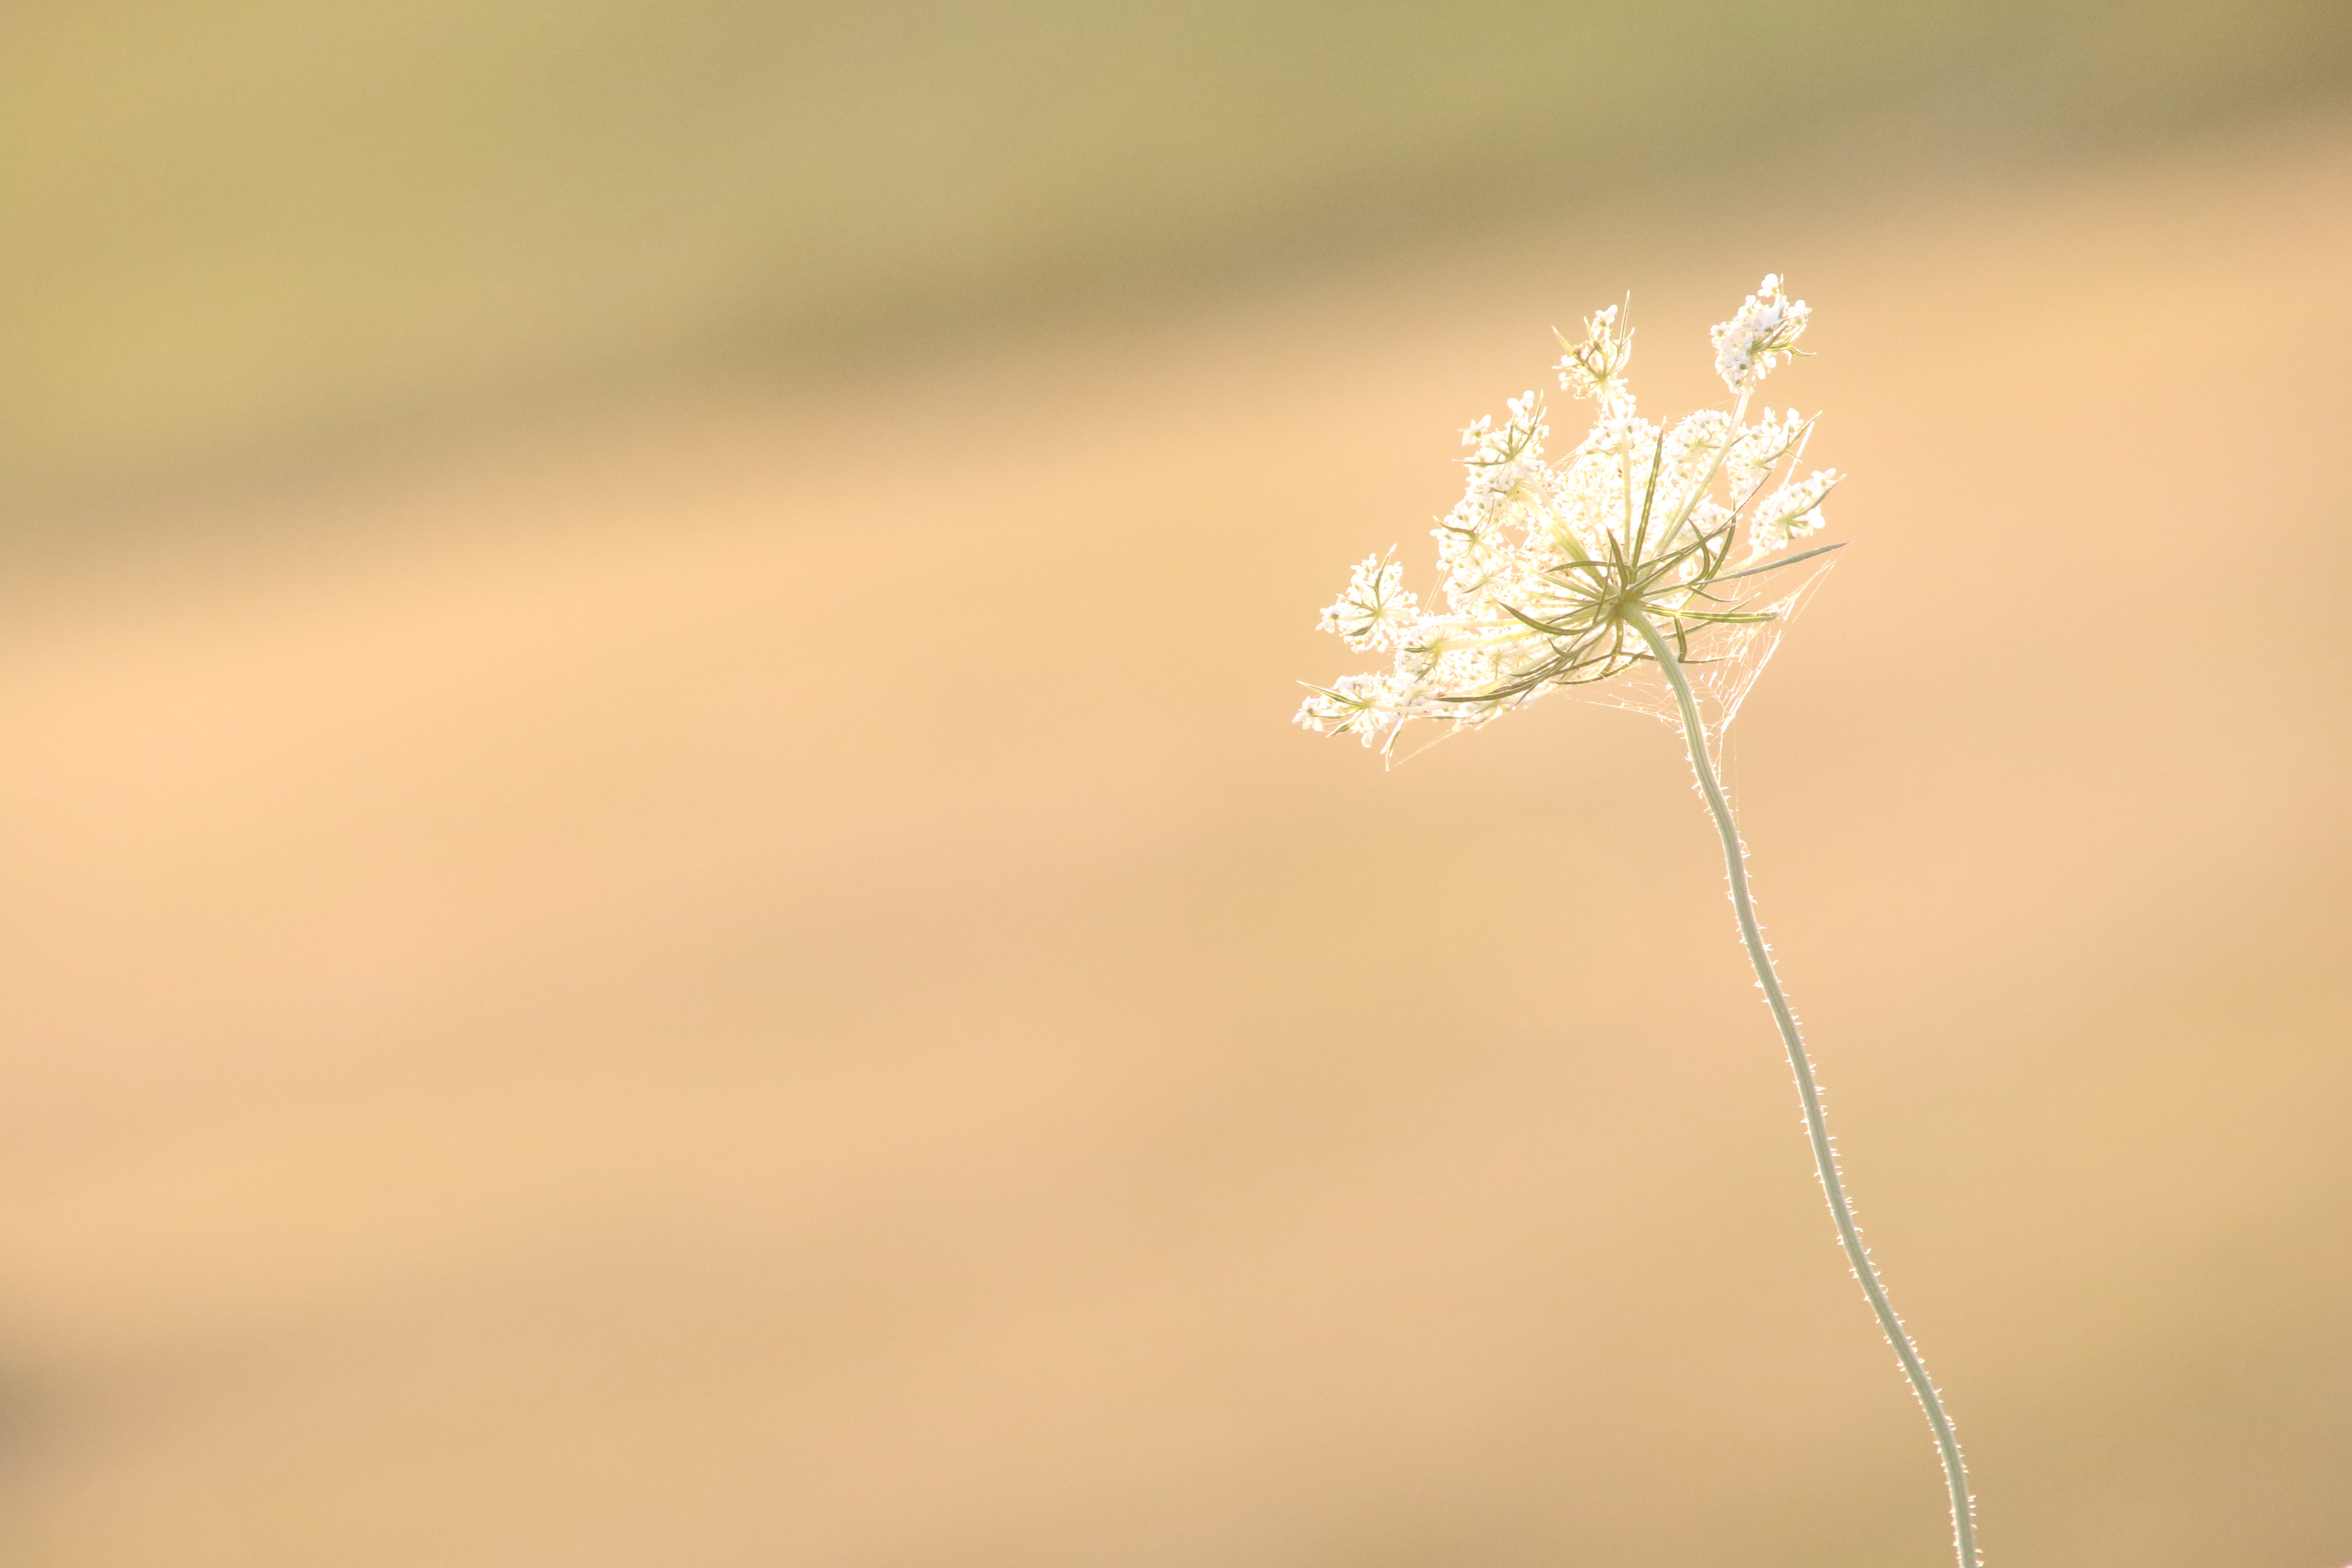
(1824, 1153)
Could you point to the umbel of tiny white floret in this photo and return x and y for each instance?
(1545, 566)
(1764, 333)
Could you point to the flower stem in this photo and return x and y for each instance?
(1955, 1473)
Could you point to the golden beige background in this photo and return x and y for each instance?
(743, 969)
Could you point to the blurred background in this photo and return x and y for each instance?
(659, 907)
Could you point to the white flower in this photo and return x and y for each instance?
(1548, 566)
(1792, 510)
(1474, 548)
(1762, 447)
(1595, 368)
(1760, 337)
(1354, 704)
(1505, 462)
(1374, 607)
(1696, 440)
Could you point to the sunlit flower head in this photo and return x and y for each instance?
(1760, 337)
(1595, 368)
(1374, 607)
(1549, 567)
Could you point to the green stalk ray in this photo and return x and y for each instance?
(1955, 1473)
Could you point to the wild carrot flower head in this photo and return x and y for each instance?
(1760, 337)
(1546, 565)
(1375, 609)
(1595, 368)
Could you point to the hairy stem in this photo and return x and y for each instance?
(1955, 1473)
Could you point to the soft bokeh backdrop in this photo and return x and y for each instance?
(657, 909)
